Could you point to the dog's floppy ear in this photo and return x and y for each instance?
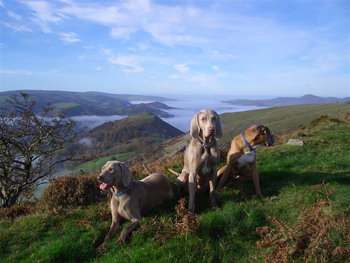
(126, 176)
(194, 129)
(219, 133)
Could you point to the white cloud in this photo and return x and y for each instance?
(44, 14)
(98, 68)
(82, 57)
(174, 77)
(14, 15)
(2, 4)
(143, 46)
(216, 68)
(69, 37)
(122, 32)
(202, 78)
(17, 28)
(181, 67)
(15, 72)
(128, 64)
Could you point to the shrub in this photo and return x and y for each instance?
(18, 210)
(70, 191)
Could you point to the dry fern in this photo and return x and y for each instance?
(310, 239)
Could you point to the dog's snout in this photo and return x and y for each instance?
(211, 129)
(271, 140)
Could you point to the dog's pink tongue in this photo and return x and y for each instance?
(103, 186)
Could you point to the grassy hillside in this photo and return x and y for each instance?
(303, 215)
(280, 120)
(141, 135)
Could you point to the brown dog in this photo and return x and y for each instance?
(201, 157)
(131, 199)
(241, 159)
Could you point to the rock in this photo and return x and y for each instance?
(297, 142)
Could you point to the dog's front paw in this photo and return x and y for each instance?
(120, 240)
(101, 248)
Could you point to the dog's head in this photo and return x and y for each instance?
(206, 123)
(114, 173)
(260, 135)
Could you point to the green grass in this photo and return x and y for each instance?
(96, 165)
(280, 120)
(225, 235)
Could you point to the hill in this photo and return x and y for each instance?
(280, 120)
(302, 216)
(287, 101)
(140, 135)
(91, 103)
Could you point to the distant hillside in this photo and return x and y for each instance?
(141, 134)
(287, 101)
(91, 103)
(280, 120)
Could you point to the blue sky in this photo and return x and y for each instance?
(233, 48)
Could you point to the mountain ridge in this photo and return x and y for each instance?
(91, 103)
(288, 101)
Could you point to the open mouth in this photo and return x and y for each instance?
(106, 186)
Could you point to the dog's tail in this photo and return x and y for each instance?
(173, 172)
(221, 171)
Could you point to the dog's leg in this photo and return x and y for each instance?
(255, 173)
(182, 183)
(116, 218)
(221, 171)
(226, 173)
(212, 181)
(126, 231)
(192, 186)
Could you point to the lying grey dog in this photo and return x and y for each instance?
(131, 199)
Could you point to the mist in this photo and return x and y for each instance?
(183, 112)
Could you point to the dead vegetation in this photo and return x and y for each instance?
(183, 223)
(311, 239)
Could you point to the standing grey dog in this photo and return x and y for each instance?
(201, 157)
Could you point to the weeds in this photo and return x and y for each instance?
(184, 223)
(310, 240)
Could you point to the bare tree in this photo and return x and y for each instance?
(30, 146)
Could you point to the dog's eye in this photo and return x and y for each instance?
(111, 169)
(213, 119)
(204, 119)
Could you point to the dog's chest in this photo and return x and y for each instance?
(246, 159)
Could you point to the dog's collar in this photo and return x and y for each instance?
(206, 145)
(247, 143)
(124, 191)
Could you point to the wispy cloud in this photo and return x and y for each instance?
(14, 15)
(122, 32)
(17, 28)
(69, 37)
(128, 64)
(15, 72)
(181, 67)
